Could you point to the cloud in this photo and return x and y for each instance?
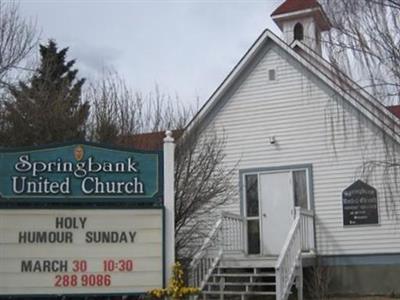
(184, 46)
(93, 59)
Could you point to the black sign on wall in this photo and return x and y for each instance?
(360, 204)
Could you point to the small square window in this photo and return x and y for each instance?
(271, 74)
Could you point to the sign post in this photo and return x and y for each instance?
(169, 204)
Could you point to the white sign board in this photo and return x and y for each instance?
(80, 251)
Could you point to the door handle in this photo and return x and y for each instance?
(264, 215)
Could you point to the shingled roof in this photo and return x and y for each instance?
(295, 5)
(395, 109)
(147, 141)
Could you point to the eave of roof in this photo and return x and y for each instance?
(295, 5)
(345, 82)
(394, 109)
(364, 102)
(320, 17)
(296, 9)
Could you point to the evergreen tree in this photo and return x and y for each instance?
(48, 107)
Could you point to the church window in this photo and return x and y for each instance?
(298, 32)
(271, 74)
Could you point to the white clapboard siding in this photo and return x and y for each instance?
(299, 111)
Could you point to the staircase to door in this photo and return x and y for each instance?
(242, 282)
(222, 270)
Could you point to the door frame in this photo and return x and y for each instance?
(268, 170)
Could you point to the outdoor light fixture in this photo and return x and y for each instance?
(272, 139)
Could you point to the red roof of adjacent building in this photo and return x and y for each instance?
(147, 141)
(295, 5)
(395, 109)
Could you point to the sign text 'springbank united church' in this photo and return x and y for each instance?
(81, 171)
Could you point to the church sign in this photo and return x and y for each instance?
(85, 219)
(77, 172)
(360, 204)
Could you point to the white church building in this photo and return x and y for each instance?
(303, 139)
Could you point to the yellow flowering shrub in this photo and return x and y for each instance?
(176, 288)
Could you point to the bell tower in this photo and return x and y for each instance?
(302, 20)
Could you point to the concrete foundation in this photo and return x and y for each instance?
(364, 280)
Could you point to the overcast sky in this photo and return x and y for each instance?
(185, 47)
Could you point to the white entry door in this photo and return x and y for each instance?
(277, 207)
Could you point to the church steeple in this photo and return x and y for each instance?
(302, 20)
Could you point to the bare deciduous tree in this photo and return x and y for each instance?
(119, 112)
(365, 43)
(17, 39)
(202, 186)
(319, 278)
(202, 182)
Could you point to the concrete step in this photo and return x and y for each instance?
(231, 269)
(216, 293)
(242, 277)
(240, 288)
(243, 283)
(268, 274)
(248, 261)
